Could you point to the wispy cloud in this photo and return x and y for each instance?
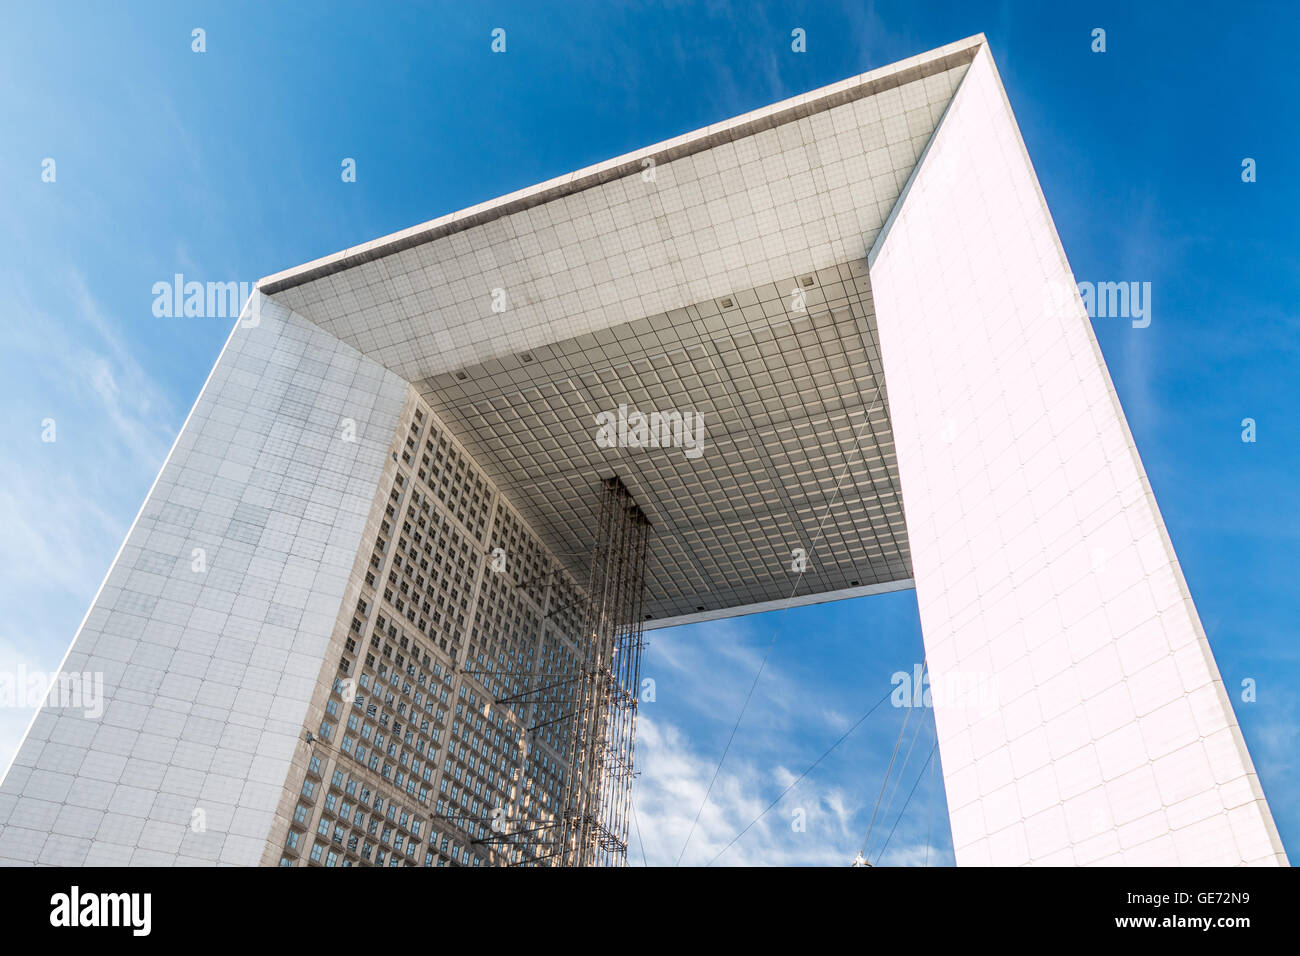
(818, 823)
(671, 787)
(65, 505)
(703, 674)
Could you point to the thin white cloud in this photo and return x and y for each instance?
(703, 674)
(815, 824)
(65, 506)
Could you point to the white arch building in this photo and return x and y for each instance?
(858, 290)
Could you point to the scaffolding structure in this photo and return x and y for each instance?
(593, 827)
(599, 695)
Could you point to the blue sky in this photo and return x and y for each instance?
(225, 166)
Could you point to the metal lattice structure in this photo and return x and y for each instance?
(602, 726)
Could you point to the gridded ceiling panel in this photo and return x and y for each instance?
(796, 452)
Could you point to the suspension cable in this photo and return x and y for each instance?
(885, 782)
(797, 779)
(857, 439)
(907, 801)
